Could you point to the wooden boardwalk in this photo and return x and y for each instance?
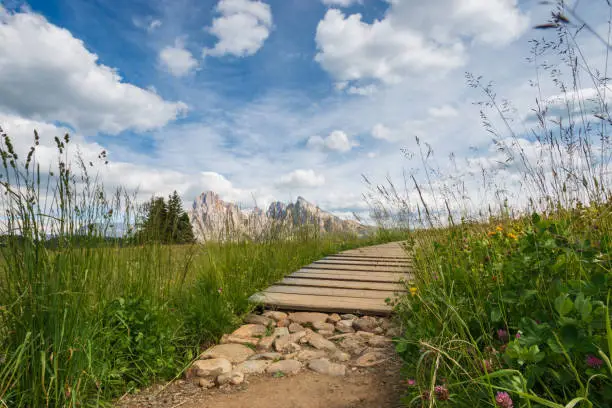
(354, 281)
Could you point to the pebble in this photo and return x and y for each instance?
(258, 319)
(364, 324)
(285, 367)
(319, 342)
(234, 378)
(334, 318)
(324, 366)
(348, 316)
(345, 326)
(273, 314)
(206, 383)
(370, 359)
(253, 366)
(379, 341)
(340, 356)
(323, 326)
(282, 342)
(250, 330)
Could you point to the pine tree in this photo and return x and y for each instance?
(166, 223)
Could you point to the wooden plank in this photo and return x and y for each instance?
(392, 278)
(357, 267)
(372, 262)
(348, 273)
(310, 290)
(322, 303)
(349, 284)
(369, 258)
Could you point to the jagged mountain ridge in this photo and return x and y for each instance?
(216, 220)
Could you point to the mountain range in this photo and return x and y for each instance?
(216, 220)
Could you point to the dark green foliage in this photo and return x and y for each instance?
(166, 222)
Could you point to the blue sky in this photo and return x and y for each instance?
(265, 100)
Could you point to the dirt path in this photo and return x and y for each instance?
(356, 368)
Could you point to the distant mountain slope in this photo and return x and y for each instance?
(216, 220)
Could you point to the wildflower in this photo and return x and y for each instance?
(220, 290)
(487, 365)
(593, 361)
(503, 400)
(491, 233)
(517, 335)
(413, 291)
(502, 335)
(513, 236)
(411, 382)
(441, 392)
(499, 228)
(425, 396)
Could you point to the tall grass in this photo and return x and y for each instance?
(84, 316)
(513, 281)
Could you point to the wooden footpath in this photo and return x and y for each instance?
(354, 281)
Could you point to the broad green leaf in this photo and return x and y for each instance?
(563, 305)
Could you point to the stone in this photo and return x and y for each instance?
(285, 367)
(393, 332)
(306, 355)
(345, 326)
(253, 366)
(307, 317)
(319, 342)
(266, 356)
(265, 343)
(348, 316)
(326, 333)
(258, 319)
(212, 367)
(295, 327)
(334, 318)
(250, 330)
(292, 348)
(228, 338)
(370, 359)
(341, 356)
(364, 335)
(234, 378)
(280, 331)
(365, 324)
(379, 341)
(353, 345)
(281, 342)
(283, 323)
(206, 383)
(323, 326)
(273, 314)
(235, 353)
(324, 366)
(379, 330)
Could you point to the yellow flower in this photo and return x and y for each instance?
(491, 233)
(511, 235)
(499, 228)
(413, 291)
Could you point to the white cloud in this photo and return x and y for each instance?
(380, 131)
(301, 179)
(362, 90)
(337, 140)
(413, 37)
(340, 3)
(177, 60)
(148, 23)
(444, 111)
(242, 27)
(47, 74)
(154, 24)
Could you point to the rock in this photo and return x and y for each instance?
(206, 383)
(281, 342)
(292, 348)
(379, 330)
(253, 366)
(345, 326)
(295, 327)
(320, 342)
(250, 330)
(348, 316)
(265, 343)
(306, 355)
(235, 353)
(334, 318)
(364, 335)
(326, 333)
(394, 332)
(323, 326)
(365, 324)
(258, 319)
(341, 356)
(384, 323)
(370, 359)
(234, 378)
(283, 323)
(324, 366)
(307, 317)
(280, 331)
(379, 341)
(277, 316)
(212, 367)
(266, 356)
(285, 367)
(353, 344)
(229, 338)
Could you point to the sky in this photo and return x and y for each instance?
(273, 99)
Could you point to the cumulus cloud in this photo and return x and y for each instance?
(340, 3)
(444, 111)
(301, 179)
(47, 74)
(242, 27)
(413, 37)
(177, 60)
(336, 140)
